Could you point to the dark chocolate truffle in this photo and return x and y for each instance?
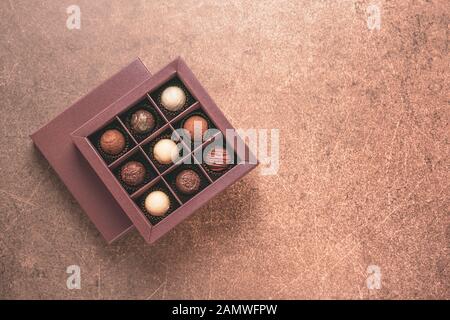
(133, 173)
(142, 121)
(112, 142)
(217, 159)
(188, 181)
(196, 127)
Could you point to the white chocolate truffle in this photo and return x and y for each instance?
(165, 151)
(157, 203)
(173, 98)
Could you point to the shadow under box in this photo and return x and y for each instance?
(174, 82)
(171, 178)
(166, 134)
(157, 185)
(145, 105)
(136, 156)
(96, 136)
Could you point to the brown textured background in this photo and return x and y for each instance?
(364, 145)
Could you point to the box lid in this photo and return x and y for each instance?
(54, 142)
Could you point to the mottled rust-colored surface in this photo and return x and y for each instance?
(364, 143)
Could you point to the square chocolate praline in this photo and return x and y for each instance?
(147, 95)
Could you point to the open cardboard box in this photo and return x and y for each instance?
(93, 179)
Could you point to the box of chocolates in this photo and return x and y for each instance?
(163, 150)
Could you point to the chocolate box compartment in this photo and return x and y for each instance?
(177, 82)
(168, 133)
(196, 110)
(171, 176)
(159, 185)
(136, 155)
(201, 153)
(179, 71)
(147, 105)
(115, 124)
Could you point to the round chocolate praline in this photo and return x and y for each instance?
(188, 181)
(173, 98)
(157, 203)
(112, 142)
(217, 159)
(196, 126)
(133, 173)
(142, 121)
(165, 151)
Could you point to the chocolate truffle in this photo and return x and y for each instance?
(142, 121)
(112, 142)
(188, 181)
(157, 203)
(217, 159)
(133, 173)
(165, 151)
(196, 126)
(173, 98)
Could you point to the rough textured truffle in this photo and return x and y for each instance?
(188, 181)
(196, 127)
(157, 203)
(112, 142)
(218, 159)
(142, 121)
(165, 151)
(173, 98)
(133, 173)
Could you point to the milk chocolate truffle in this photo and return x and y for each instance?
(157, 203)
(196, 126)
(217, 159)
(112, 142)
(165, 151)
(188, 181)
(133, 173)
(173, 98)
(142, 121)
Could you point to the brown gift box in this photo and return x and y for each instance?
(109, 106)
(54, 141)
